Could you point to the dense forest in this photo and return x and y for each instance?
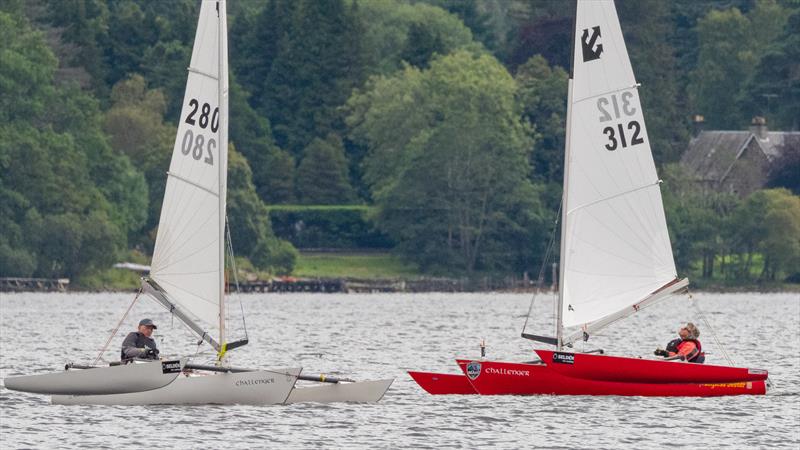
(441, 121)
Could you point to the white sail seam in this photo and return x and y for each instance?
(200, 72)
(586, 205)
(199, 186)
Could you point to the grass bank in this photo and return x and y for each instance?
(353, 265)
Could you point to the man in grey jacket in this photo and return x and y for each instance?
(139, 344)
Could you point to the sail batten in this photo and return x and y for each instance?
(616, 249)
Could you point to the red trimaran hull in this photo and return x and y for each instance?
(561, 373)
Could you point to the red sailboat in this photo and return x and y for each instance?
(616, 256)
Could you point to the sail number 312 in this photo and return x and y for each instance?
(621, 107)
(196, 145)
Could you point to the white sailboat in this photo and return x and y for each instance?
(187, 272)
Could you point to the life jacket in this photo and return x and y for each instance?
(699, 357)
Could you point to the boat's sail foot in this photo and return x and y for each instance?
(152, 288)
(589, 329)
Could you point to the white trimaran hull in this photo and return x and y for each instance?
(262, 387)
(187, 271)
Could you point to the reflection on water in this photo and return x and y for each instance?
(382, 335)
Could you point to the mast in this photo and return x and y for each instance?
(564, 206)
(561, 255)
(222, 166)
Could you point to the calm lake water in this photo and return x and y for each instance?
(383, 335)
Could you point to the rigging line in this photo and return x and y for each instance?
(547, 254)
(235, 274)
(187, 327)
(711, 329)
(114, 333)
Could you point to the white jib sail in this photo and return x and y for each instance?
(188, 258)
(617, 248)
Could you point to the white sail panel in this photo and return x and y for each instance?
(617, 248)
(187, 258)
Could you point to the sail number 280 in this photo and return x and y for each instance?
(196, 144)
(622, 108)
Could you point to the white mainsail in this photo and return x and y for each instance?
(616, 249)
(188, 260)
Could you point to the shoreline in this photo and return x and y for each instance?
(379, 285)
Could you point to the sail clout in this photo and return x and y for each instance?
(616, 245)
(188, 256)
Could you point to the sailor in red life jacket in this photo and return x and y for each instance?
(688, 349)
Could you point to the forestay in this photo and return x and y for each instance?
(188, 257)
(617, 249)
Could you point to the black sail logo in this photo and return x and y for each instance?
(590, 45)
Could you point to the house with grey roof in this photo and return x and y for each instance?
(740, 162)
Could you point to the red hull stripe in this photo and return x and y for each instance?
(443, 383)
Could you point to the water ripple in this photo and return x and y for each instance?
(378, 335)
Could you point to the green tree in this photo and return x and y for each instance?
(542, 96)
(312, 74)
(258, 37)
(450, 176)
(698, 223)
(273, 168)
(767, 223)
(248, 220)
(731, 46)
(322, 175)
(646, 23)
(775, 88)
(66, 197)
(396, 32)
(136, 128)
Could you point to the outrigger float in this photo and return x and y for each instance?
(187, 273)
(616, 256)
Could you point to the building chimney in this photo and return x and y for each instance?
(759, 127)
(698, 124)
